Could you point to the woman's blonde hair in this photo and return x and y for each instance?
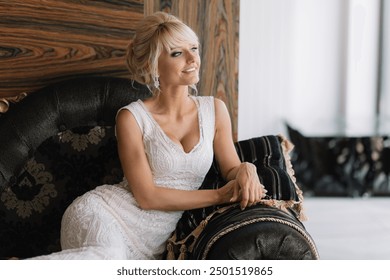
(154, 34)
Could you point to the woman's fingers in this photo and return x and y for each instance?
(244, 197)
(263, 192)
(252, 194)
(252, 191)
(236, 193)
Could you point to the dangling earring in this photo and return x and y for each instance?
(194, 90)
(156, 82)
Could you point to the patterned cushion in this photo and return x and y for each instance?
(63, 167)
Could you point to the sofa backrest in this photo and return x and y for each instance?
(56, 144)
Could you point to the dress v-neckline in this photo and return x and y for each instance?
(169, 139)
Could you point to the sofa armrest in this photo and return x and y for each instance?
(269, 230)
(258, 232)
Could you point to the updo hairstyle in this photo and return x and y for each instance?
(153, 34)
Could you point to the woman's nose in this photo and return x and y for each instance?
(191, 56)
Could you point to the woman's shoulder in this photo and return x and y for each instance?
(209, 98)
(215, 103)
(132, 105)
(133, 115)
(221, 110)
(205, 99)
(205, 103)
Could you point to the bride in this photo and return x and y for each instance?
(166, 145)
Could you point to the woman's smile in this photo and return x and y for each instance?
(189, 70)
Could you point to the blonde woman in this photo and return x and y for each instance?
(166, 145)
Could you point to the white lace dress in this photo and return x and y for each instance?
(106, 223)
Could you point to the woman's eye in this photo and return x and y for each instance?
(194, 49)
(175, 54)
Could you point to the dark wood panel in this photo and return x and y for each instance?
(46, 41)
(217, 24)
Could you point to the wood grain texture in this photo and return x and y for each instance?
(217, 24)
(50, 40)
(44, 41)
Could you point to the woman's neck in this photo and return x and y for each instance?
(174, 102)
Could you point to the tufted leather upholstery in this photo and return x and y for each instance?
(81, 102)
(59, 142)
(259, 233)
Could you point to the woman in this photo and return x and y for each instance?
(166, 146)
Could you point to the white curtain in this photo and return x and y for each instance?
(313, 63)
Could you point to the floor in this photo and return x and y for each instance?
(349, 228)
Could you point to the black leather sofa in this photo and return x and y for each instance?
(58, 142)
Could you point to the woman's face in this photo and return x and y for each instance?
(179, 66)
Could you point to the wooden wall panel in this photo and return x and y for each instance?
(217, 24)
(42, 41)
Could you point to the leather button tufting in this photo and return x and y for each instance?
(13, 180)
(62, 127)
(31, 153)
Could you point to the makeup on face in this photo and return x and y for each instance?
(180, 66)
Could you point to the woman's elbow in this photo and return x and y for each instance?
(149, 203)
(145, 204)
(145, 199)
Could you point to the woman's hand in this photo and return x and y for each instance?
(252, 191)
(229, 193)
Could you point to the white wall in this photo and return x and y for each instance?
(264, 65)
(362, 60)
(385, 93)
(318, 44)
(304, 60)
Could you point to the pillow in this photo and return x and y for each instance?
(270, 155)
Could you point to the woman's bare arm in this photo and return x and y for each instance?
(231, 167)
(139, 176)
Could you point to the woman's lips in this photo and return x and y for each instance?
(188, 70)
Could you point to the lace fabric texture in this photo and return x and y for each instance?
(106, 223)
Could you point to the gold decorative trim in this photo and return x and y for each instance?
(25, 208)
(4, 101)
(80, 142)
